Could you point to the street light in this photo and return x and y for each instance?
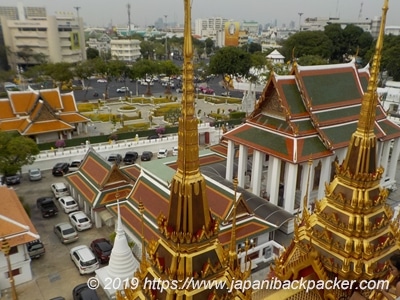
(300, 14)
(5, 248)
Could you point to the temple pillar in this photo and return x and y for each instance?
(384, 158)
(289, 194)
(274, 172)
(230, 157)
(303, 184)
(394, 157)
(257, 171)
(242, 166)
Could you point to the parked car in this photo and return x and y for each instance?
(47, 207)
(102, 80)
(68, 204)
(36, 249)
(84, 259)
(66, 233)
(60, 169)
(74, 165)
(162, 153)
(146, 156)
(102, 249)
(226, 94)
(175, 150)
(12, 179)
(35, 174)
(206, 90)
(59, 189)
(130, 157)
(83, 292)
(123, 89)
(153, 137)
(80, 220)
(114, 158)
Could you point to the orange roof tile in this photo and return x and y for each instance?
(15, 224)
(68, 101)
(6, 111)
(47, 126)
(12, 124)
(22, 102)
(73, 118)
(53, 98)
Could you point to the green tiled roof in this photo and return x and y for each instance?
(389, 128)
(342, 112)
(325, 89)
(274, 123)
(311, 146)
(265, 139)
(340, 134)
(292, 95)
(304, 125)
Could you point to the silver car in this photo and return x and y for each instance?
(35, 174)
(80, 220)
(66, 233)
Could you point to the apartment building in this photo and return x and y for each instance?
(125, 50)
(209, 27)
(33, 37)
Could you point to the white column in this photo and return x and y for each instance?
(274, 172)
(384, 158)
(289, 193)
(394, 159)
(229, 161)
(325, 176)
(242, 166)
(303, 183)
(257, 171)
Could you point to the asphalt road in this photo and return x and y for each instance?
(93, 87)
(54, 274)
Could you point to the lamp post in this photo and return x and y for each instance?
(5, 248)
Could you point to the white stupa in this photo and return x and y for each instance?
(121, 266)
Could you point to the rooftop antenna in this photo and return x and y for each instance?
(337, 9)
(77, 10)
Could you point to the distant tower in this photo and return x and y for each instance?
(360, 13)
(128, 6)
(300, 14)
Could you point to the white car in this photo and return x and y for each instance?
(175, 151)
(162, 153)
(102, 80)
(80, 220)
(68, 204)
(84, 259)
(35, 174)
(59, 189)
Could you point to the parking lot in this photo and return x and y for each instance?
(54, 274)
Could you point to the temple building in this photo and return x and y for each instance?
(351, 234)
(308, 114)
(45, 115)
(189, 246)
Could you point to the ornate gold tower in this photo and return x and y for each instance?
(189, 250)
(350, 235)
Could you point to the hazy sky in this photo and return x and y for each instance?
(146, 12)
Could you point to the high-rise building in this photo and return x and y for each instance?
(33, 37)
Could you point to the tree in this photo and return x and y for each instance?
(308, 43)
(335, 33)
(311, 60)
(230, 61)
(92, 53)
(147, 69)
(61, 73)
(209, 43)
(84, 70)
(168, 68)
(16, 151)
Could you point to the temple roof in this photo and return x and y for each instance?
(310, 113)
(36, 112)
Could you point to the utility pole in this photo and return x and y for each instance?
(300, 14)
(166, 38)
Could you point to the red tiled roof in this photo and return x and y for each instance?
(14, 222)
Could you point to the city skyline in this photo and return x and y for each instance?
(147, 12)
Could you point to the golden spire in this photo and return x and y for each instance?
(361, 155)
(189, 213)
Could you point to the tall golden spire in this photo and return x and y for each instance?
(189, 213)
(361, 155)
